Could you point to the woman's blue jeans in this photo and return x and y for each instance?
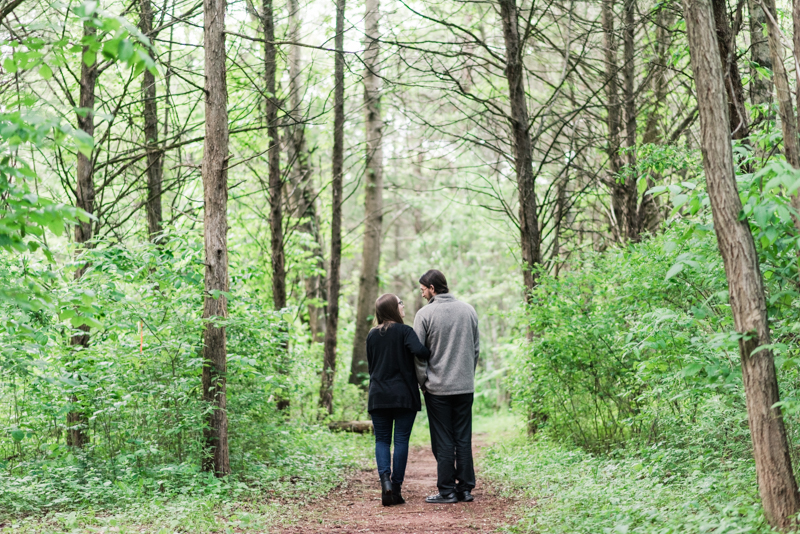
(382, 421)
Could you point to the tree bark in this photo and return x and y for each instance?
(664, 20)
(632, 230)
(373, 189)
(779, 77)
(740, 128)
(215, 224)
(618, 192)
(155, 165)
(791, 144)
(523, 151)
(776, 482)
(303, 193)
(77, 422)
(332, 326)
(760, 86)
(273, 158)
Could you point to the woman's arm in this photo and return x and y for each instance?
(414, 346)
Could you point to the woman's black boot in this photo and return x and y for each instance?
(397, 497)
(386, 489)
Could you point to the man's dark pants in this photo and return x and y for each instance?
(450, 420)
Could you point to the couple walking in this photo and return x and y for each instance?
(439, 356)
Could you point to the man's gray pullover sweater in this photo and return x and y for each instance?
(449, 328)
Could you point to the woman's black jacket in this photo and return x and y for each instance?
(390, 355)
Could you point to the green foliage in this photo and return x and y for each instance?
(623, 343)
(655, 489)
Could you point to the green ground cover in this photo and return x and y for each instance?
(79, 496)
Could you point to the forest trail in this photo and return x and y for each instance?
(355, 506)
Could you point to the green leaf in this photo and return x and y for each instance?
(761, 215)
(692, 369)
(675, 269)
(89, 57)
(9, 65)
(18, 435)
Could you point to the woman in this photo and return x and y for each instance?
(393, 391)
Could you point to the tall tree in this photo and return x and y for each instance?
(523, 155)
(618, 191)
(215, 225)
(632, 230)
(155, 160)
(733, 81)
(332, 326)
(77, 422)
(273, 158)
(373, 191)
(760, 86)
(300, 177)
(776, 482)
(791, 143)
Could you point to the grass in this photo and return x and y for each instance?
(652, 490)
(58, 500)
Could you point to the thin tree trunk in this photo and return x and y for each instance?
(275, 184)
(523, 152)
(781, 80)
(332, 326)
(632, 230)
(791, 144)
(273, 158)
(77, 422)
(215, 223)
(760, 86)
(740, 128)
(373, 192)
(155, 165)
(618, 191)
(659, 79)
(301, 180)
(776, 482)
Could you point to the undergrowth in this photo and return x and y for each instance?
(652, 489)
(76, 493)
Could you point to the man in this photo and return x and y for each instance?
(449, 328)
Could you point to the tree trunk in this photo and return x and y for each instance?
(791, 144)
(760, 86)
(618, 192)
(155, 165)
(632, 230)
(303, 193)
(523, 151)
(275, 185)
(332, 326)
(215, 223)
(781, 80)
(664, 21)
(733, 81)
(77, 422)
(273, 158)
(373, 189)
(776, 481)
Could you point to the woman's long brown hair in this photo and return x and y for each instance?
(387, 311)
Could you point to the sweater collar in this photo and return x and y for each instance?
(444, 297)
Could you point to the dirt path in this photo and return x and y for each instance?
(355, 507)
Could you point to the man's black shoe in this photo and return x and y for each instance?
(464, 496)
(442, 499)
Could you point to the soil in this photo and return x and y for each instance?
(355, 507)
